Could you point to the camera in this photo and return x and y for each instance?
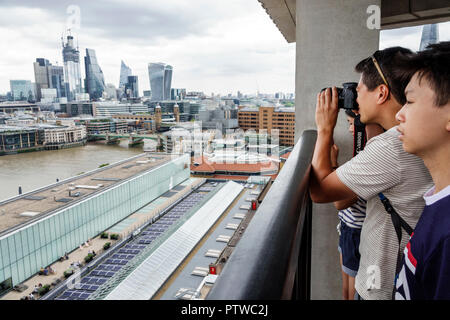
(347, 96)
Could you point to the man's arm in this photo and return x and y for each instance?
(325, 185)
(344, 204)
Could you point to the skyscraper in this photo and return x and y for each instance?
(160, 75)
(48, 76)
(95, 82)
(131, 87)
(125, 71)
(167, 81)
(72, 73)
(41, 76)
(430, 35)
(21, 90)
(56, 77)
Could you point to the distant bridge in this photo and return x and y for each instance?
(113, 138)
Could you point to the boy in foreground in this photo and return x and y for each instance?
(425, 131)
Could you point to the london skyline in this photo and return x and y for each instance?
(231, 48)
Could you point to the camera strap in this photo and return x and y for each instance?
(398, 223)
(359, 135)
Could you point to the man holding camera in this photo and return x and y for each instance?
(382, 167)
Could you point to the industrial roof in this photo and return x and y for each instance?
(150, 275)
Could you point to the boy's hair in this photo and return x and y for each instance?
(388, 59)
(433, 64)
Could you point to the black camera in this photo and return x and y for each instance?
(347, 96)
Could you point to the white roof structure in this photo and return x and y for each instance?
(153, 272)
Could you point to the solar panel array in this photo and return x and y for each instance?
(102, 272)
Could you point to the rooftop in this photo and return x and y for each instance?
(36, 204)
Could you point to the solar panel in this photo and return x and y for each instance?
(30, 197)
(106, 179)
(168, 194)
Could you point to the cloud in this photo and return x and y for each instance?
(410, 37)
(213, 46)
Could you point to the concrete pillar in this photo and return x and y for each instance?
(331, 38)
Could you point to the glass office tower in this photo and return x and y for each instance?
(131, 87)
(95, 82)
(430, 35)
(167, 81)
(125, 72)
(21, 90)
(160, 75)
(72, 73)
(56, 77)
(41, 76)
(48, 76)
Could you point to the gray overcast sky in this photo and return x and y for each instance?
(219, 46)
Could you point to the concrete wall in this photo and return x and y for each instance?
(331, 38)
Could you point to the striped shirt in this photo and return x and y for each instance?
(354, 215)
(383, 166)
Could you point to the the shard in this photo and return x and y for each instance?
(430, 35)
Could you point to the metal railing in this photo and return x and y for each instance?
(272, 260)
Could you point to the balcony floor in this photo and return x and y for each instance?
(326, 279)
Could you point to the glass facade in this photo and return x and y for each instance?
(430, 35)
(160, 75)
(72, 73)
(95, 82)
(57, 80)
(21, 90)
(167, 81)
(24, 251)
(41, 76)
(131, 87)
(125, 71)
(156, 76)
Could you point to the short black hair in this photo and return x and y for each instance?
(433, 64)
(389, 61)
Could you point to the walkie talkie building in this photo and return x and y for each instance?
(160, 75)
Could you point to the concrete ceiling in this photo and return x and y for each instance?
(282, 13)
(394, 14)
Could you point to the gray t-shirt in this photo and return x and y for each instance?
(383, 166)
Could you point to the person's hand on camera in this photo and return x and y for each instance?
(327, 110)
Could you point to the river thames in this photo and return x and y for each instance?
(37, 169)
